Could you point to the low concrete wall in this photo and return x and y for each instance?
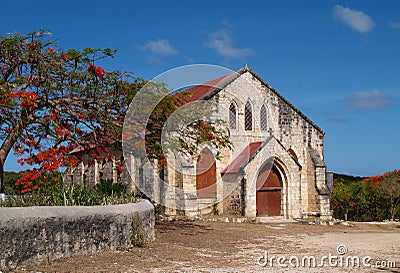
(31, 234)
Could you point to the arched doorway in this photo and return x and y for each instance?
(269, 192)
(206, 175)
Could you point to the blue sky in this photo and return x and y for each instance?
(337, 61)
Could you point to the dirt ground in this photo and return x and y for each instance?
(204, 246)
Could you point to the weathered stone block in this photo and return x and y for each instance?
(32, 234)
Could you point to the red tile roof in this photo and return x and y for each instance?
(242, 158)
(199, 91)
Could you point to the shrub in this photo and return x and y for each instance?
(53, 194)
(375, 198)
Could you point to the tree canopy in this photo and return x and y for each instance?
(374, 198)
(53, 101)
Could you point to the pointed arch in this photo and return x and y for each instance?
(206, 175)
(271, 188)
(263, 118)
(233, 116)
(248, 116)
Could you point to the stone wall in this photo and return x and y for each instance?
(32, 234)
(90, 171)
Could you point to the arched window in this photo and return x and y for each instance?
(232, 116)
(263, 118)
(248, 116)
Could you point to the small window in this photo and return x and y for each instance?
(248, 116)
(263, 118)
(232, 116)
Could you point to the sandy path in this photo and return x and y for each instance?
(201, 246)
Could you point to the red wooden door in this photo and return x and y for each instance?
(269, 193)
(206, 175)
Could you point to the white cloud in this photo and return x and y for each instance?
(161, 47)
(189, 60)
(154, 60)
(364, 101)
(335, 117)
(222, 42)
(394, 25)
(357, 20)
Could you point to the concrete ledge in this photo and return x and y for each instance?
(32, 234)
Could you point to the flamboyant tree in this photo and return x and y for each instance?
(54, 100)
(373, 198)
(388, 185)
(343, 198)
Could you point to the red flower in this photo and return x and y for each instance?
(51, 50)
(376, 183)
(62, 132)
(100, 72)
(352, 204)
(81, 115)
(73, 161)
(25, 191)
(97, 70)
(32, 46)
(119, 168)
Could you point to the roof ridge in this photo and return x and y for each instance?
(212, 89)
(247, 69)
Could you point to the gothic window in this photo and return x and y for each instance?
(248, 116)
(232, 116)
(263, 118)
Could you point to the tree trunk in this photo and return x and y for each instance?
(4, 151)
(392, 208)
(346, 212)
(1, 175)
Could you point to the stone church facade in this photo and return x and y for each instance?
(276, 166)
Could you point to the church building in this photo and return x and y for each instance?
(275, 168)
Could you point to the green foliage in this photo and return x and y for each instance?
(9, 182)
(108, 188)
(138, 235)
(53, 194)
(370, 199)
(214, 209)
(159, 209)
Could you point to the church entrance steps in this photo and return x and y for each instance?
(274, 220)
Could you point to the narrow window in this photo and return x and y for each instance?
(232, 116)
(248, 117)
(263, 118)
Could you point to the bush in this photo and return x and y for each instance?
(375, 198)
(53, 194)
